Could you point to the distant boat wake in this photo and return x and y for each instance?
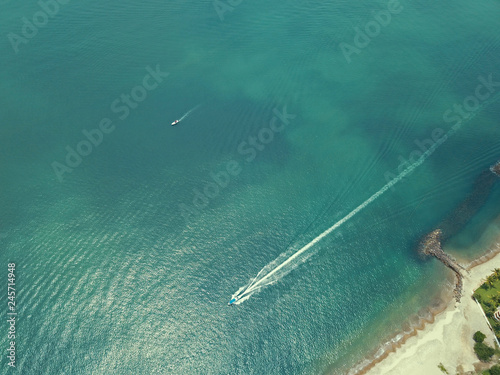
(278, 268)
(186, 115)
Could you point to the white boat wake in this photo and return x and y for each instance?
(278, 268)
(263, 279)
(185, 115)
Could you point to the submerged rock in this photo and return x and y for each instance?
(496, 169)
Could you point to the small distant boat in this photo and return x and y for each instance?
(175, 122)
(232, 301)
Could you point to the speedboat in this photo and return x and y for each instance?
(175, 122)
(232, 301)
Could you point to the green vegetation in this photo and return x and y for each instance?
(483, 351)
(479, 336)
(441, 367)
(495, 370)
(488, 295)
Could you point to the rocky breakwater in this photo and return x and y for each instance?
(431, 246)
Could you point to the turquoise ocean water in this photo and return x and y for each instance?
(117, 270)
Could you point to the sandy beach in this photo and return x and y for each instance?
(449, 339)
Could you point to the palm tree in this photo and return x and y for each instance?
(489, 280)
(496, 272)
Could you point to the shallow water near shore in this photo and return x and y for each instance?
(115, 276)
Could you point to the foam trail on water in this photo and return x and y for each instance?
(260, 281)
(257, 283)
(189, 112)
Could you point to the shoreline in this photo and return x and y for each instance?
(431, 335)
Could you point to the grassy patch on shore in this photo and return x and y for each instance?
(488, 295)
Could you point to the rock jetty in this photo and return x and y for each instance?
(431, 246)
